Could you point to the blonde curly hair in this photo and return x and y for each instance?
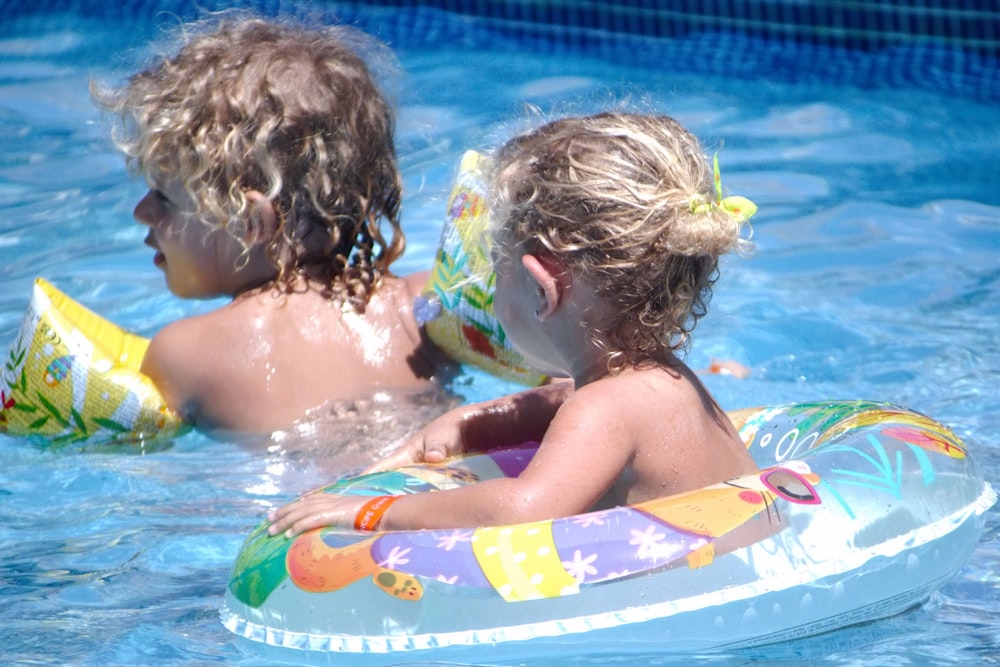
(613, 197)
(289, 111)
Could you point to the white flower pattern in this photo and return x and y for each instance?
(580, 567)
(395, 558)
(453, 539)
(647, 541)
(591, 519)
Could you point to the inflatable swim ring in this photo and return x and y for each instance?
(71, 376)
(860, 511)
(456, 308)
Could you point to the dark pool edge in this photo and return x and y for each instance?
(880, 43)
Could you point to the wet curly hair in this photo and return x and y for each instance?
(284, 109)
(612, 197)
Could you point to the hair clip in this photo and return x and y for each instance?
(734, 205)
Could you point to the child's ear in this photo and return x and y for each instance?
(263, 218)
(552, 279)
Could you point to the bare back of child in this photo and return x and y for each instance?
(269, 153)
(606, 231)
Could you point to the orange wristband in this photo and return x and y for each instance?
(370, 514)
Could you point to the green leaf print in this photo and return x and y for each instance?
(110, 425)
(38, 423)
(260, 566)
(52, 409)
(81, 426)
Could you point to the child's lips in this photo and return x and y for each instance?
(158, 258)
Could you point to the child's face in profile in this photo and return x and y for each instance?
(198, 260)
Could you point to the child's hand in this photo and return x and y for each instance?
(433, 443)
(509, 420)
(315, 510)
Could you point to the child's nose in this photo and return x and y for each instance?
(147, 210)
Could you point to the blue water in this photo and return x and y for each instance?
(876, 276)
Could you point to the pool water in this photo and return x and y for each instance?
(875, 276)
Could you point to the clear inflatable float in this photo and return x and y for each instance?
(860, 511)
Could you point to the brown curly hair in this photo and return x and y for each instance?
(613, 196)
(289, 111)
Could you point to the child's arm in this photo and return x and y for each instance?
(583, 453)
(505, 421)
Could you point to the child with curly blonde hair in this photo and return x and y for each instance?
(268, 149)
(607, 232)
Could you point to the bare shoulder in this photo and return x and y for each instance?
(635, 390)
(199, 342)
(615, 407)
(392, 302)
(181, 356)
(416, 282)
(651, 406)
(181, 343)
(594, 401)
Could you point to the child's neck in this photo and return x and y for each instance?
(596, 370)
(597, 367)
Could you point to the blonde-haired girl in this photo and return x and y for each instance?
(606, 234)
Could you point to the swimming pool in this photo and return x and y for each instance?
(876, 276)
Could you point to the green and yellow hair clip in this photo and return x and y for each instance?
(734, 205)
